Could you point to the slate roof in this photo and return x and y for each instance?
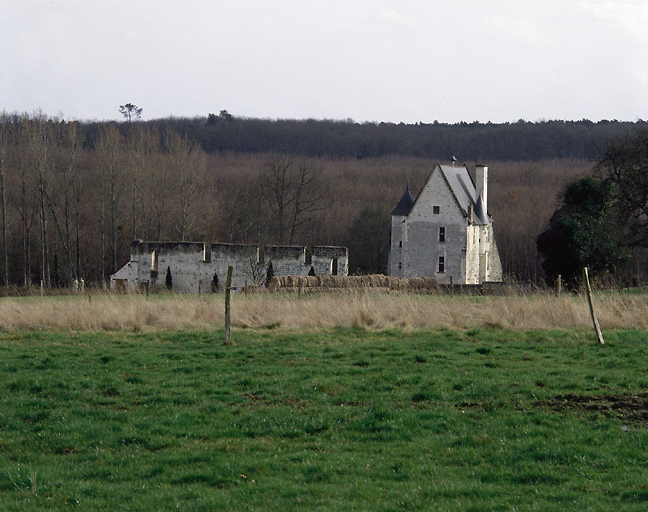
(404, 206)
(464, 191)
(462, 187)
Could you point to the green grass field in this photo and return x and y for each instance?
(342, 419)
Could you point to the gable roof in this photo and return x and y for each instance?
(405, 204)
(463, 189)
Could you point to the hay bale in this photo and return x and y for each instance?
(273, 284)
(430, 283)
(354, 282)
(312, 281)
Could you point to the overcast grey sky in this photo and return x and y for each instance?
(369, 60)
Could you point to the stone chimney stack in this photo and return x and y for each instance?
(481, 179)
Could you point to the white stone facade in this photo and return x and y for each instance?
(446, 233)
(197, 265)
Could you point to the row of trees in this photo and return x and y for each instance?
(74, 195)
(520, 141)
(71, 205)
(69, 210)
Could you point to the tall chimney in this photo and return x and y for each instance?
(481, 178)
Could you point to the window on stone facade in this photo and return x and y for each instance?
(400, 243)
(441, 264)
(436, 210)
(400, 266)
(442, 234)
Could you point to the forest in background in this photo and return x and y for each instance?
(519, 141)
(73, 195)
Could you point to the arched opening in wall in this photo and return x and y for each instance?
(334, 267)
(206, 253)
(311, 272)
(154, 261)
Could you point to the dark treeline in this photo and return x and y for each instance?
(520, 141)
(74, 195)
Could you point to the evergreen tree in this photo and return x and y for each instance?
(579, 233)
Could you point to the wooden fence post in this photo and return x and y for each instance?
(559, 284)
(588, 291)
(228, 319)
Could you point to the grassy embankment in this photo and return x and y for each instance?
(335, 419)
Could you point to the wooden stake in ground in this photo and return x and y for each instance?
(588, 291)
(228, 320)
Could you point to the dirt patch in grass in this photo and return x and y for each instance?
(629, 407)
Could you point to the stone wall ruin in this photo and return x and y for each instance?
(190, 267)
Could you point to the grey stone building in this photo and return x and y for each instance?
(446, 232)
(196, 265)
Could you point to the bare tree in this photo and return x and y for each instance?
(4, 143)
(110, 154)
(158, 187)
(244, 213)
(625, 163)
(61, 196)
(38, 139)
(188, 167)
(291, 191)
(256, 270)
(308, 198)
(143, 154)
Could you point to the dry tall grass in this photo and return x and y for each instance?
(289, 312)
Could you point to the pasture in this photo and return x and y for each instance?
(153, 416)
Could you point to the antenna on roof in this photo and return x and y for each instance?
(454, 159)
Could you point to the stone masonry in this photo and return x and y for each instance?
(446, 233)
(197, 265)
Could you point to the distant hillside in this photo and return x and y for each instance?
(520, 141)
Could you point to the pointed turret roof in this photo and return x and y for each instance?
(405, 204)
